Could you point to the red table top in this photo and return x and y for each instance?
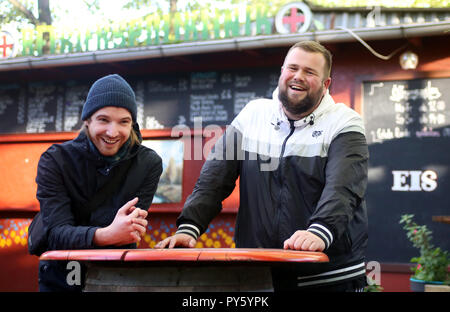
(187, 254)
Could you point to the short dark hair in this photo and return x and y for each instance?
(315, 47)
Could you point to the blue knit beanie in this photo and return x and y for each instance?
(111, 90)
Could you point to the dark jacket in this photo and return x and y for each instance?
(298, 175)
(68, 176)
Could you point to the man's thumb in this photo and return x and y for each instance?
(128, 205)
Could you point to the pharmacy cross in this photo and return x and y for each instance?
(5, 46)
(293, 19)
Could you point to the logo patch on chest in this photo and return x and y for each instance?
(316, 134)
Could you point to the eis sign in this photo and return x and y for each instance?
(414, 180)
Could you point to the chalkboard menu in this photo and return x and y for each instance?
(41, 107)
(163, 101)
(408, 131)
(215, 97)
(12, 108)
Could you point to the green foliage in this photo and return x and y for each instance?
(11, 14)
(93, 6)
(433, 262)
(372, 286)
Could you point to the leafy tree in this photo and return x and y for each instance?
(22, 11)
(36, 12)
(25, 13)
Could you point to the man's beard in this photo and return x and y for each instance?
(302, 106)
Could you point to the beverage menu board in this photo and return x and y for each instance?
(408, 130)
(164, 101)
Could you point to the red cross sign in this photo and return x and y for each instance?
(293, 18)
(7, 45)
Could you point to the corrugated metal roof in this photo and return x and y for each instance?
(377, 16)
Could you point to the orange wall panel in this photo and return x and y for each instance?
(18, 167)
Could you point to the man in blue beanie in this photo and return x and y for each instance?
(90, 188)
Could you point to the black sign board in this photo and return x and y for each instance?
(164, 101)
(408, 131)
(12, 108)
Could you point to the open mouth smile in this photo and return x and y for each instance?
(108, 141)
(296, 87)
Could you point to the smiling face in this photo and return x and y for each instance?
(109, 128)
(302, 82)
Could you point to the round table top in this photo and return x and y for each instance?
(187, 254)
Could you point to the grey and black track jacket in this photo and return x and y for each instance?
(309, 174)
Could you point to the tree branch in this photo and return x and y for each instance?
(25, 11)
